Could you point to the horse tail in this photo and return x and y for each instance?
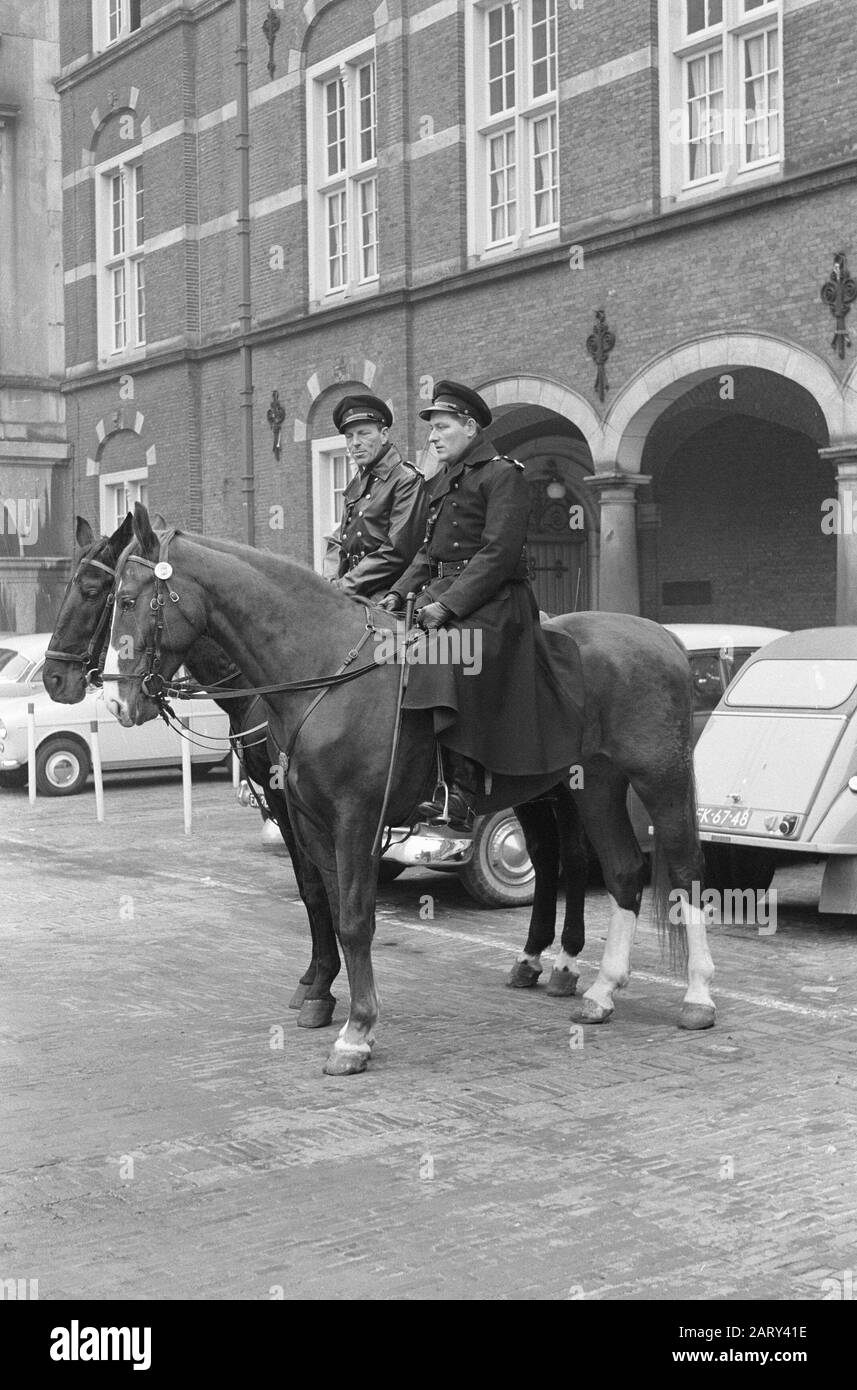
(667, 917)
(677, 869)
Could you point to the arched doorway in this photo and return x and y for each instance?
(562, 534)
(730, 528)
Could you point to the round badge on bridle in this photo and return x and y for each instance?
(163, 569)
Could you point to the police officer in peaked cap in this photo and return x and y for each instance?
(384, 504)
(472, 572)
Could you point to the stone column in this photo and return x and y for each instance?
(842, 522)
(618, 570)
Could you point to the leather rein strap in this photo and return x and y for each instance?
(157, 688)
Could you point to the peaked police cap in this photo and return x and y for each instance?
(354, 410)
(454, 399)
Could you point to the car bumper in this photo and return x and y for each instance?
(428, 848)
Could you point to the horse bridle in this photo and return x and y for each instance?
(152, 682)
(89, 661)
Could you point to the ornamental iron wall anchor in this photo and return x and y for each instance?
(276, 417)
(270, 28)
(839, 292)
(599, 345)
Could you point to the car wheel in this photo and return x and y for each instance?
(62, 766)
(739, 867)
(388, 869)
(499, 872)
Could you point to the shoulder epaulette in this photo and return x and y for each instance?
(504, 458)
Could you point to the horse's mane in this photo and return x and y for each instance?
(276, 567)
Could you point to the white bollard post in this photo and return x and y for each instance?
(186, 787)
(236, 770)
(31, 751)
(97, 777)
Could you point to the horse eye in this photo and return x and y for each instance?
(128, 603)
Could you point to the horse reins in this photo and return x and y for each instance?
(157, 688)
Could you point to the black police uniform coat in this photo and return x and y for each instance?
(382, 524)
(523, 712)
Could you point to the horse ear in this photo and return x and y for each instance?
(143, 529)
(159, 522)
(83, 533)
(122, 536)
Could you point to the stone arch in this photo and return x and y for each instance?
(123, 101)
(312, 10)
(849, 389)
(124, 420)
(670, 376)
(355, 372)
(534, 390)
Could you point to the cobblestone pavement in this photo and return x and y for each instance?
(159, 1142)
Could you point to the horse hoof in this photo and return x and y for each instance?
(346, 1062)
(299, 996)
(696, 1016)
(522, 975)
(562, 984)
(585, 1010)
(316, 1013)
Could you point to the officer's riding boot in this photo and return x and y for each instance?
(454, 801)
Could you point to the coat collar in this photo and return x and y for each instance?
(479, 453)
(380, 469)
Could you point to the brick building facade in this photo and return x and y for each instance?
(34, 457)
(454, 188)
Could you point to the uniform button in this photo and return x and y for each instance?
(455, 545)
(425, 540)
(455, 523)
(455, 504)
(359, 513)
(359, 533)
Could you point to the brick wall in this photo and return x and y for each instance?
(758, 269)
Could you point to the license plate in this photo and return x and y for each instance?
(724, 817)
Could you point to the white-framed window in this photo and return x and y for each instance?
(117, 493)
(721, 94)
(332, 471)
(120, 239)
(512, 124)
(113, 20)
(342, 163)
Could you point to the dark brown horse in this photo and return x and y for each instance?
(76, 645)
(277, 620)
(550, 824)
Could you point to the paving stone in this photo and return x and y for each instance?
(479, 1157)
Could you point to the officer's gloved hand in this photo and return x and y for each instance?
(433, 615)
(392, 603)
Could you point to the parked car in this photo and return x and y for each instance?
(63, 761)
(776, 768)
(21, 662)
(717, 652)
(492, 862)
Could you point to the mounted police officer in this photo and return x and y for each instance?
(384, 503)
(471, 573)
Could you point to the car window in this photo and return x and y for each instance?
(12, 664)
(707, 683)
(794, 684)
(37, 677)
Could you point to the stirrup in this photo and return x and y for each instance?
(437, 812)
